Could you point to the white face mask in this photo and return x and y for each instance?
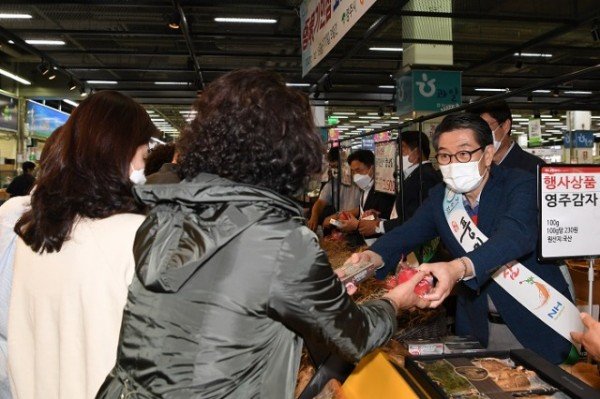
(137, 176)
(497, 143)
(406, 163)
(362, 181)
(462, 177)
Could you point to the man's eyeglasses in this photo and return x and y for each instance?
(461, 156)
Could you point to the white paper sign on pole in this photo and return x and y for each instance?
(322, 25)
(385, 166)
(569, 198)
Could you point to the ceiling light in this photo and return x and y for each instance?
(555, 93)
(172, 83)
(51, 75)
(577, 92)
(43, 42)
(386, 87)
(14, 16)
(44, 68)
(490, 89)
(542, 55)
(14, 77)
(72, 85)
(392, 49)
(246, 20)
(102, 82)
(541, 91)
(175, 20)
(11, 42)
(297, 84)
(70, 102)
(345, 113)
(82, 92)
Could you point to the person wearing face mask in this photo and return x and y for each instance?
(419, 177)
(73, 259)
(328, 202)
(507, 152)
(486, 216)
(373, 204)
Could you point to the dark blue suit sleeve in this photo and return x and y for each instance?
(401, 240)
(514, 235)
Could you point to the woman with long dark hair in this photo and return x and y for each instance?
(73, 260)
(228, 277)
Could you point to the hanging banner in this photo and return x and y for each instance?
(569, 211)
(385, 166)
(535, 133)
(323, 23)
(428, 90)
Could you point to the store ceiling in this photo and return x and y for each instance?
(129, 42)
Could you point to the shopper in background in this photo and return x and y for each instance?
(507, 152)
(228, 278)
(327, 204)
(73, 257)
(373, 204)
(161, 165)
(419, 177)
(501, 203)
(590, 339)
(22, 184)
(10, 212)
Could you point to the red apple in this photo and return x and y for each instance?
(344, 216)
(423, 287)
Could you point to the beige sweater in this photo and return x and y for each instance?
(66, 308)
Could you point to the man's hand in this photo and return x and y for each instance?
(365, 256)
(313, 223)
(591, 337)
(403, 295)
(367, 227)
(351, 224)
(370, 212)
(447, 274)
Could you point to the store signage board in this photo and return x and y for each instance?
(8, 113)
(385, 166)
(569, 206)
(368, 143)
(323, 23)
(43, 120)
(427, 90)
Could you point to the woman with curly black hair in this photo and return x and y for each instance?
(228, 278)
(73, 258)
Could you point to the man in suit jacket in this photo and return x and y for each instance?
(508, 153)
(371, 202)
(501, 202)
(419, 177)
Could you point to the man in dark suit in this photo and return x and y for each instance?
(371, 202)
(500, 204)
(419, 177)
(22, 184)
(508, 153)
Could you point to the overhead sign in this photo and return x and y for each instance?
(323, 23)
(8, 113)
(569, 211)
(426, 90)
(385, 166)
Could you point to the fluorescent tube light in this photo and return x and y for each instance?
(14, 16)
(102, 82)
(172, 83)
(392, 49)
(70, 102)
(577, 92)
(14, 77)
(246, 20)
(297, 84)
(541, 91)
(543, 55)
(490, 89)
(44, 42)
(386, 87)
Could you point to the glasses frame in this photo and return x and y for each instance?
(450, 156)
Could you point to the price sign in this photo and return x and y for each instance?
(569, 199)
(385, 166)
